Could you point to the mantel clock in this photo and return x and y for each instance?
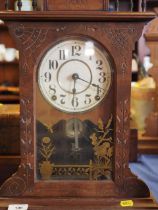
(75, 74)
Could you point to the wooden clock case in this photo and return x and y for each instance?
(34, 32)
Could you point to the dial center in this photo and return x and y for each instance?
(75, 76)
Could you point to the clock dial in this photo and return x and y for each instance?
(75, 75)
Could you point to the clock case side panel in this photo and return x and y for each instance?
(119, 39)
(122, 39)
(22, 180)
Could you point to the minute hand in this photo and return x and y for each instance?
(94, 85)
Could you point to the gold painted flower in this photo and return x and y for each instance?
(93, 137)
(100, 124)
(46, 140)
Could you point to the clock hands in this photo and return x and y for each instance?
(75, 77)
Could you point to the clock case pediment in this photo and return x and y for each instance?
(33, 40)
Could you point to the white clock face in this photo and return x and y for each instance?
(75, 75)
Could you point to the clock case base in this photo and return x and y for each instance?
(78, 204)
(33, 32)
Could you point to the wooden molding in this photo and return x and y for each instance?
(79, 204)
(77, 16)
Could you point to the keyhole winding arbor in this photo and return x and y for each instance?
(35, 33)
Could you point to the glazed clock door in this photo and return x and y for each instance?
(74, 120)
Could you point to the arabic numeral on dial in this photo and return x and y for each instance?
(102, 79)
(76, 50)
(62, 100)
(52, 90)
(99, 64)
(53, 64)
(75, 102)
(62, 54)
(47, 76)
(87, 100)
